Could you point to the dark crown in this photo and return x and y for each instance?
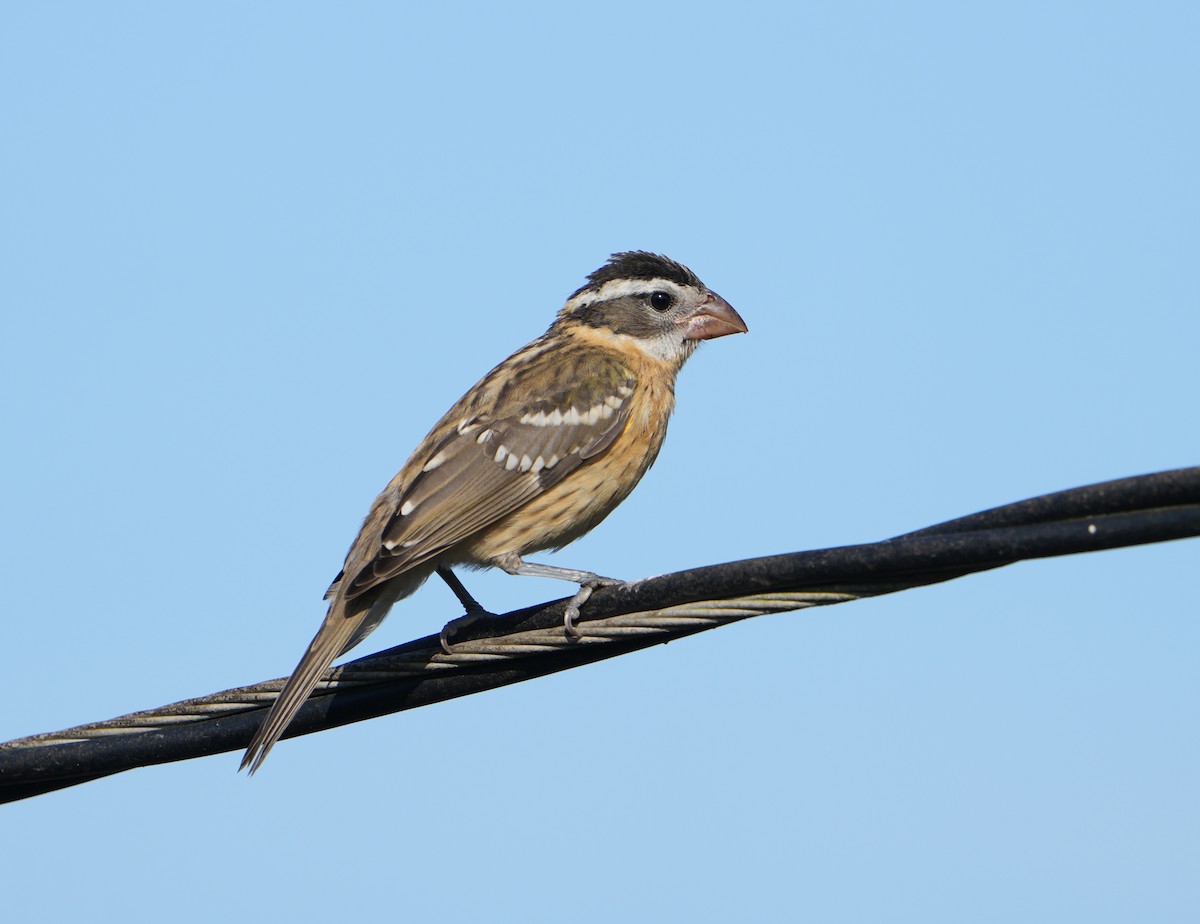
(639, 264)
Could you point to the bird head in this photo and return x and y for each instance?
(659, 305)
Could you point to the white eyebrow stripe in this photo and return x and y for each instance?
(620, 288)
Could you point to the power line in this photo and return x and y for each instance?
(531, 642)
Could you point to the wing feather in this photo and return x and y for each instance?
(488, 468)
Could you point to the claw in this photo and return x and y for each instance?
(475, 612)
(458, 624)
(571, 613)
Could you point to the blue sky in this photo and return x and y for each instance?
(252, 252)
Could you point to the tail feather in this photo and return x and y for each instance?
(332, 639)
(346, 624)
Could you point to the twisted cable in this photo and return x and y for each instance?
(531, 642)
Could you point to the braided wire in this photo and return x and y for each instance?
(683, 619)
(532, 643)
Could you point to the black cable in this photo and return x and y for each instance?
(1114, 514)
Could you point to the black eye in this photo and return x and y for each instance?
(661, 301)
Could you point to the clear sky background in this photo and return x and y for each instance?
(251, 252)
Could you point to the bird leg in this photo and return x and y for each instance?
(475, 610)
(513, 564)
(587, 581)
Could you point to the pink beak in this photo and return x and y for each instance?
(714, 317)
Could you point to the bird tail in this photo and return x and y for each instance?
(332, 639)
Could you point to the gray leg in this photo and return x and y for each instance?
(470, 604)
(587, 581)
(475, 611)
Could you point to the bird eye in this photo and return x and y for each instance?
(661, 301)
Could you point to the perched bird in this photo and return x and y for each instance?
(537, 453)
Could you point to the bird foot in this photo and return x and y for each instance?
(472, 616)
(571, 614)
(477, 613)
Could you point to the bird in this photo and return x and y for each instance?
(536, 454)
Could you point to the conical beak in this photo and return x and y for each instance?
(714, 317)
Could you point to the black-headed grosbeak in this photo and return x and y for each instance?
(541, 450)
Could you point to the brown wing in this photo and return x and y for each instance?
(487, 468)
